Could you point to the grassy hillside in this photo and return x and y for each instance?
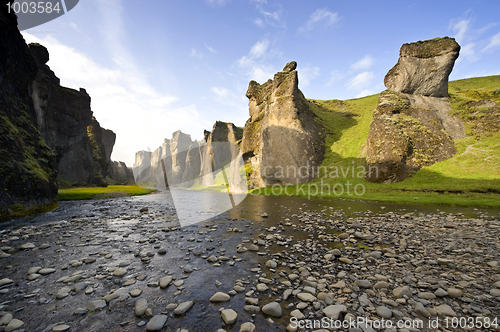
(470, 178)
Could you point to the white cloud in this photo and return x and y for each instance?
(256, 64)
(363, 64)
(461, 28)
(122, 100)
(335, 76)
(494, 42)
(307, 74)
(259, 48)
(195, 54)
(361, 80)
(321, 18)
(219, 3)
(273, 18)
(221, 92)
(468, 51)
(210, 49)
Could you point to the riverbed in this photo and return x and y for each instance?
(337, 259)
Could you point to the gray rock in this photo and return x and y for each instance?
(272, 309)
(165, 281)
(14, 324)
(384, 312)
(229, 316)
(156, 323)
(334, 311)
(420, 309)
(401, 292)
(183, 308)
(247, 327)
(140, 307)
(96, 305)
(220, 297)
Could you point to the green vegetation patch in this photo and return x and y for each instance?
(101, 192)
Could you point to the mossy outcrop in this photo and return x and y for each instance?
(423, 67)
(412, 126)
(281, 140)
(27, 164)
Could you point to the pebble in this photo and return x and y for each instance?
(165, 281)
(272, 309)
(156, 323)
(220, 297)
(229, 316)
(14, 324)
(135, 292)
(183, 308)
(140, 307)
(96, 305)
(247, 327)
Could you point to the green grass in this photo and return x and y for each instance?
(81, 193)
(470, 178)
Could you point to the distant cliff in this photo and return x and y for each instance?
(281, 140)
(190, 163)
(27, 164)
(411, 126)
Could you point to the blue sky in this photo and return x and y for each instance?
(152, 67)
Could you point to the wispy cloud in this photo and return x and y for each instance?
(335, 76)
(195, 54)
(272, 17)
(363, 64)
(256, 63)
(361, 80)
(320, 19)
(221, 92)
(494, 42)
(219, 3)
(122, 100)
(210, 49)
(307, 74)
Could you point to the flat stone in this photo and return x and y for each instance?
(495, 292)
(120, 272)
(272, 309)
(262, 287)
(445, 310)
(401, 292)
(381, 284)
(229, 316)
(60, 328)
(384, 312)
(5, 281)
(110, 297)
(441, 292)
(14, 324)
(363, 283)
(183, 308)
(140, 307)
(345, 260)
(272, 264)
(165, 281)
(307, 297)
(5, 319)
(334, 311)
(454, 292)
(247, 327)
(34, 269)
(46, 271)
(156, 323)
(420, 309)
(28, 245)
(135, 292)
(96, 305)
(220, 297)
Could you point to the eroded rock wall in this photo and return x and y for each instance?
(281, 140)
(27, 164)
(411, 125)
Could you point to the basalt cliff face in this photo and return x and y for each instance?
(65, 120)
(186, 162)
(27, 164)
(281, 140)
(411, 126)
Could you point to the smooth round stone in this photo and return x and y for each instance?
(96, 305)
(345, 260)
(384, 312)
(5, 281)
(5, 319)
(307, 297)
(363, 283)
(14, 324)
(120, 272)
(135, 292)
(297, 314)
(272, 264)
(28, 245)
(262, 287)
(188, 269)
(420, 309)
(401, 292)
(440, 292)
(454, 292)
(34, 269)
(128, 283)
(156, 323)
(46, 271)
(427, 295)
(381, 284)
(62, 327)
(90, 260)
(183, 308)
(44, 246)
(272, 309)
(140, 307)
(220, 297)
(165, 281)
(229, 316)
(495, 292)
(247, 327)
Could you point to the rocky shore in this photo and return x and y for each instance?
(126, 265)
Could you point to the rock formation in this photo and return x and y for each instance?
(411, 126)
(423, 67)
(188, 162)
(64, 117)
(281, 140)
(27, 166)
(121, 173)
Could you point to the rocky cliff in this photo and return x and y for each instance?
(188, 162)
(64, 118)
(411, 125)
(27, 165)
(281, 140)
